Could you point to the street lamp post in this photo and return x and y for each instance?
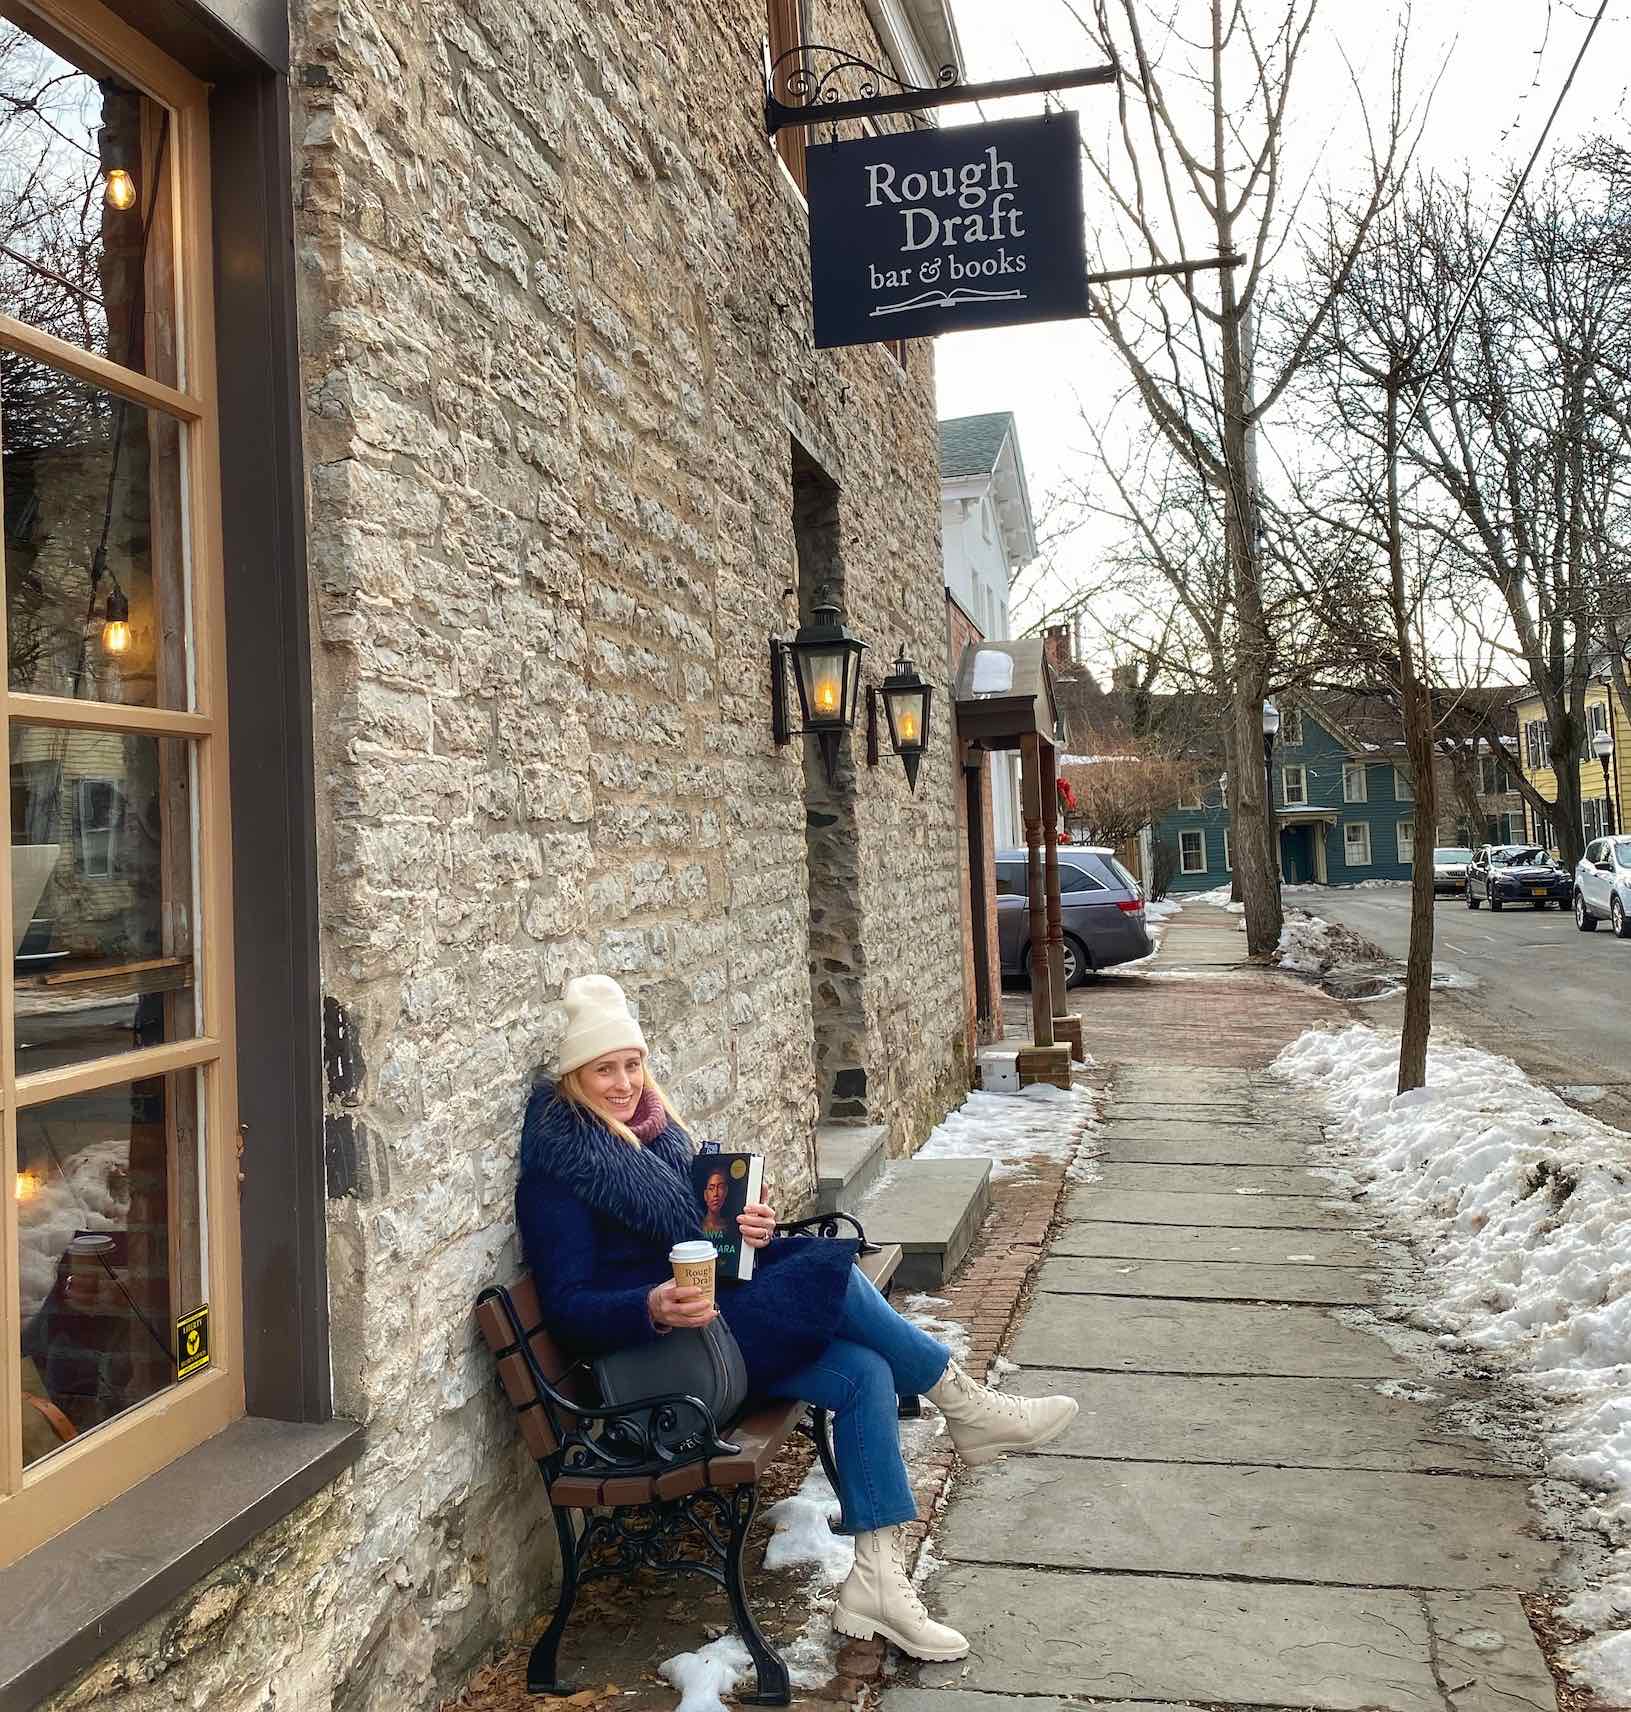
(1603, 746)
(1271, 727)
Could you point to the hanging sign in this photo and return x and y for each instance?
(927, 232)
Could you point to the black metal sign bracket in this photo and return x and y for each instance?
(811, 77)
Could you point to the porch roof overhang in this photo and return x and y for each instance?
(1004, 693)
(1305, 815)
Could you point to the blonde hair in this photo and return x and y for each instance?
(571, 1089)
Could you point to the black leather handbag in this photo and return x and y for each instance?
(704, 1362)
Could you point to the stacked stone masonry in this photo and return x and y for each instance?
(556, 352)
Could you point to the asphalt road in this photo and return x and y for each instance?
(1527, 984)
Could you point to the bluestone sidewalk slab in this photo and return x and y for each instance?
(1200, 1337)
(1215, 1180)
(1205, 1243)
(1333, 1286)
(1132, 1206)
(1190, 1144)
(1305, 1423)
(1268, 1524)
(1148, 1637)
(963, 1700)
(1487, 1653)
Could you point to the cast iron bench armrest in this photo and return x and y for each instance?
(632, 1424)
(826, 1224)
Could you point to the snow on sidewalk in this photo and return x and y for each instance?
(1520, 1205)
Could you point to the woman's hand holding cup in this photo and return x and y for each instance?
(676, 1305)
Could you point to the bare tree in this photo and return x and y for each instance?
(1199, 155)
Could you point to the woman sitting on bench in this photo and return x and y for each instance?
(605, 1190)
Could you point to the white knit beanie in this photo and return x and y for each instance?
(598, 1021)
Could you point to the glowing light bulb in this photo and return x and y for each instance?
(826, 696)
(121, 189)
(908, 728)
(27, 1186)
(116, 629)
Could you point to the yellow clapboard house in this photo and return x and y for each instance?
(1602, 812)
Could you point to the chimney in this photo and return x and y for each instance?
(1124, 678)
(1056, 649)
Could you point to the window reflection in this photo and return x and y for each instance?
(95, 598)
(86, 243)
(111, 1251)
(102, 896)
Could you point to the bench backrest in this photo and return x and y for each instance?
(512, 1367)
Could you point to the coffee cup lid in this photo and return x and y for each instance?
(692, 1251)
(90, 1242)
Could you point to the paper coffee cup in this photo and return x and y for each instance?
(694, 1264)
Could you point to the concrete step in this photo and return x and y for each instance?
(933, 1208)
(849, 1160)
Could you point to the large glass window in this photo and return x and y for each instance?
(119, 1253)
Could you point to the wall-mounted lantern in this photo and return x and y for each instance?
(827, 673)
(905, 696)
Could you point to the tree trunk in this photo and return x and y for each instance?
(1418, 739)
(1259, 880)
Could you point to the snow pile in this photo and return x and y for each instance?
(919, 1309)
(1217, 898)
(1158, 910)
(804, 1536)
(1039, 1122)
(704, 1678)
(1520, 1204)
(1305, 944)
(1311, 945)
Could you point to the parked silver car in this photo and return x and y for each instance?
(1450, 865)
(1602, 886)
(1101, 906)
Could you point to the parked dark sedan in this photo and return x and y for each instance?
(1518, 874)
(1102, 909)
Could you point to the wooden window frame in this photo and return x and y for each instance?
(1363, 827)
(1405, 848)
(1404, 787)
(1351, 769)
(1301, 800)
(57, 1491)
(1193, 832)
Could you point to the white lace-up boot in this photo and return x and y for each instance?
(878, 1598)
(986, 1424)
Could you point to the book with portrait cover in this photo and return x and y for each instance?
(725, 1183)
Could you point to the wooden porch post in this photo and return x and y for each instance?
(1035, 883)
(1050, 836)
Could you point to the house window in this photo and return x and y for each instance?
(789, 21)
(1291, 727)
(1192, 852)
(116, 1031)
(1493, 778)
(1594, 817)
(1228, 859)
(1354, 783)
(99, 803)
(1404, 787)
(1406, 833)
(1293, 785)
(1596, 718)
(1356, 844)
(1537, 739)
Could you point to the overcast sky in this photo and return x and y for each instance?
(1503, 63)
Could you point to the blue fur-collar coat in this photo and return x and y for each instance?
(598, 1218)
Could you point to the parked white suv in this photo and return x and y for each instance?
(1602, 886)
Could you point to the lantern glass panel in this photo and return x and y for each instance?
(908, 717)
(823, 680)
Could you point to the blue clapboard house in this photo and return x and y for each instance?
(1345, 806)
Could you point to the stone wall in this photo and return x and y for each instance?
(556, 355)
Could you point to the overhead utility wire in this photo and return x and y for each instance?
(1495, 238)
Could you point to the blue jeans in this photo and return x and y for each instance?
(874, 1357)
